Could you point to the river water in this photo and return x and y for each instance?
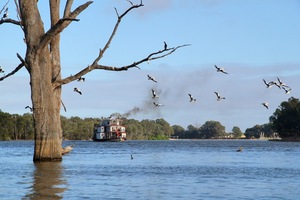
(180, 169)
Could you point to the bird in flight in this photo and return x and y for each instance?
(192, 99)
(219, 69)
(282, 84)
(30, 108)
(77, 90)
(157, 104)
(266, 104)
(269, 84)
(154, 95)
(82, 79)
(219, 96)
(152, 78)
(287, 90)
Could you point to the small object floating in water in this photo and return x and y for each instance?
(240, 149)
(67, 149)
(131, 157)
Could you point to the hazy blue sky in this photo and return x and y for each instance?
(252, 39)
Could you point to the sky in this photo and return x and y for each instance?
(251, 39)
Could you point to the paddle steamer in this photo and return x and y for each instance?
(110, 130)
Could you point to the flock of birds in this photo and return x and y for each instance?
(279, 83)
(80, 79)
(191, 97)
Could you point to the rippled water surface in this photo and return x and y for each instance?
(181, 169)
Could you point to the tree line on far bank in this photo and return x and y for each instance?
(285, 122)
(20, 127)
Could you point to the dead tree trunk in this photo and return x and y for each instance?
(41, 65)
(42, 60)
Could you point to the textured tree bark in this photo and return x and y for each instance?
(41, 65)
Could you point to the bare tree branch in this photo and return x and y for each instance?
(8, 20)
(101, 53)
(22, 64)
(4, 7)
(62, 103)
(62, 24)
(68, 8)
(18, 13)
(151, 56)
(11, 21)
(160, 54)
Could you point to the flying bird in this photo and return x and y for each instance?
(157, 104)
(154, 95)
(269, 84)
(30, 108)
(219, 69)
(287, 90)
(219, 96)
(165, 45)
(77, 90)
(282, 84)
(81, 79)
(266, 104)
(152, 78)
(192, 99)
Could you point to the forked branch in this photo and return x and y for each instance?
(152, 56)
(22, 64)
(62, 23)
(95, 65)
(120, 17)
(7, 20)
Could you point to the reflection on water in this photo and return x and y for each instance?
(183, 169)
(47, 181)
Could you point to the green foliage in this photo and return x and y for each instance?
(209, 130)
(178, 129)
(236, 132)
(258, 130)
(14, 127)
(212, 129)
(74, 128)
(286, 119)
(158, 129)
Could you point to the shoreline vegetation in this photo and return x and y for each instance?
(20, 127)
(283, 126)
